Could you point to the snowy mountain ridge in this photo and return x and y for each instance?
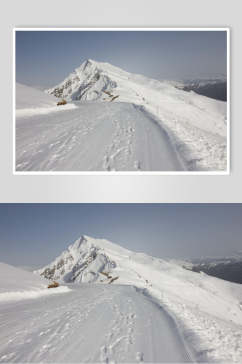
(91, 260)
(87, 258)
(102, 81)
(92, 80)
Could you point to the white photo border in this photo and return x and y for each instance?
(129, 173)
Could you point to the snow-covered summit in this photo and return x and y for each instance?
(85, 261)
(90, 260)
(102, 81)
(87, 82)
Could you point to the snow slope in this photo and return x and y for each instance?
(28, 97)
(92, 323)
(206, 309)
(18, 284)
(197, 124)
(30, 101)
(94, 137)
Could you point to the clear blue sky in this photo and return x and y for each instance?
(45, 58)
(34, 234)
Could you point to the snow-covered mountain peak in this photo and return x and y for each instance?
(77, 245)
(88, 242)
(88, 62)
(90, 260)
(102, 81)
(100, 66)
(89, 81)
(87, 66)
(86, 260)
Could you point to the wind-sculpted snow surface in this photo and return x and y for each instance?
(193, 126)
(92, 323)
(94, 137)
(207, 310)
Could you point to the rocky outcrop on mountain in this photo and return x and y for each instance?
(87, 82)
(83, 261)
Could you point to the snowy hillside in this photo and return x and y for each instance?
(90, 324)
(30, 101)
(206, 309)
(28, 97)
(96, 136)
(18, 284)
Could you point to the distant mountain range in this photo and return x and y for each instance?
(216, 88)
(229, 268)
